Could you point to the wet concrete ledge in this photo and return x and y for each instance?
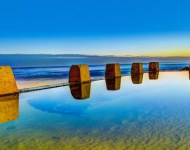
(25, 90)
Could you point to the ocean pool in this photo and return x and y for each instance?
(147, 112)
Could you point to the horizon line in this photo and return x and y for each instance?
(95, 55)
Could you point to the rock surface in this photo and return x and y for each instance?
(185, 69)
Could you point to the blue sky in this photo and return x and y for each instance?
(102, 27)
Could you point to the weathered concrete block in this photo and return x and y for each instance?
(153, 75)
(137, 68)
(137, 78)
(7, 81)
(112, 70)
(153, 66)
(79, 73)
(113, 83)
(80, 90)
(9, 107)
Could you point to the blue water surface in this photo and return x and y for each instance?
(142, 112)
(62, 72)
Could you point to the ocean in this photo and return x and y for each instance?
(96, 71)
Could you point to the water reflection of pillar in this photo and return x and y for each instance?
(153, 75)
(113, 83)
(137, 78)
(80, 90)
(9, 107)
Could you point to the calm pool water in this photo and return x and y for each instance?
(135, 113)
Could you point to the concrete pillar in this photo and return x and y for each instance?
(7, 81)
(137, 78)
(80, 90)
(113, 83)
(153, 66)
(137, 68)
(9, 107)
(113, 70)
(79, 74)
(153, 75)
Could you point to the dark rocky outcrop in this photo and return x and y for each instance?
(185, 69)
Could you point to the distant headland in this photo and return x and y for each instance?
(40, 60)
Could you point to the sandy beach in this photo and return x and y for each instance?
(21, 84)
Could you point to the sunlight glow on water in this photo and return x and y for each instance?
(133, 113)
